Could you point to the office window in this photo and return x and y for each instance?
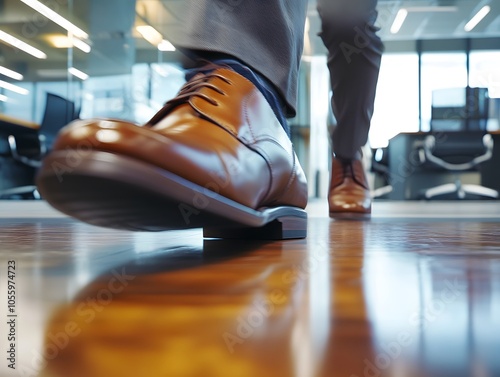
(136, 96)
(440, 71)
(166, 81)
(484, 73)
(19, 104)
(396, 103)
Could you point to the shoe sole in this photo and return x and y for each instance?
(115, 191)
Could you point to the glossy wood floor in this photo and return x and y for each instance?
(413, 292)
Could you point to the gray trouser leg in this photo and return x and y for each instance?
(267, 35)
(354, 54)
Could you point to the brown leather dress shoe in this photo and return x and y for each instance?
(215, 157)
(349, 194)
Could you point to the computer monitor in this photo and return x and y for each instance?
(459, 109)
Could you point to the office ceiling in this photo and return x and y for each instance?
(426, 19)
(116, 45)
(438, 19)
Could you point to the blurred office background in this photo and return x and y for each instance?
(112, 58)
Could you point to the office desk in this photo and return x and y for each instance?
(408, 179)
(24, 131)
(13, 126)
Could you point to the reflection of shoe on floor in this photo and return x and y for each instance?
(214, 157)
(349, 194)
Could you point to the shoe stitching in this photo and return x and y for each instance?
(293, 175)
(263, 138)
(247, 117)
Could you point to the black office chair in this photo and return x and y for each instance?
(459, 141)
(58, 112)
(458, 152)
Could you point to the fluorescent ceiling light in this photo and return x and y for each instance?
(432, 9)
(81, 45)
(13, 88)
(150, 34)
(10, 73)
(63, 41)
(52, 73)
(166, 46)
(154, 37)
(56, 18)
(477, 18)
(13, 41)
(3, 98)
(77, 73)
(399, 20)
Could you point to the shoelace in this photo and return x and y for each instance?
(191, 89)
(347, 169)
